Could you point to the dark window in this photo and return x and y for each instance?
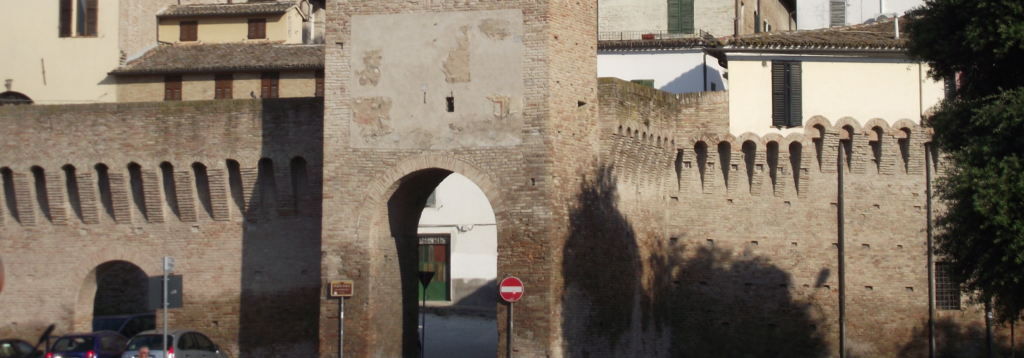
(257, 29)
(203, 343)
(172, 88)
(86, 19)
(186, 342)
(319, 91)
(786, 94)
(65, 18)
(189, 31)
(680, 16)
(90, 17)
(947, 292)
(648, 83)
(269, 87)
(222, 86)
(837, 13)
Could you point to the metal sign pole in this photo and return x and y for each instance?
(164, 335)
(341, 327)
(511, 311)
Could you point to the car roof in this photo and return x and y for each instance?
(169, 331)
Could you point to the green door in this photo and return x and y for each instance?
(434, 258)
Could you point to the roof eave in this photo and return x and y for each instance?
(182, 71)
(254, 13)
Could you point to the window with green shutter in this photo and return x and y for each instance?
(786, 94)
(680, 16)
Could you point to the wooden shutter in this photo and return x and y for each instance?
(189, 31)
(91, 15)
(949, 86)
(778, 94)
(257, 28)
(795, 94)
(223, 87)
(674, 22)
(172, 88)
(268, 89)
(65, 18)
(319, 91)
(837, 13)
(686, 16)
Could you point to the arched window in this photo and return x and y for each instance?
(9, 195)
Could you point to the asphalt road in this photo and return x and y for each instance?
(460, 336)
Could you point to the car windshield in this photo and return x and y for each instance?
(153, 341)
(107, 324)
(73, 344)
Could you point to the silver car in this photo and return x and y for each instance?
(184, 344)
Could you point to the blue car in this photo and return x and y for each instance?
(102, 344)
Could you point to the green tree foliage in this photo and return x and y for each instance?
(981, 231)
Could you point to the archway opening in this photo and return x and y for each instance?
(443, 223)
(14, 98)
(116, 294)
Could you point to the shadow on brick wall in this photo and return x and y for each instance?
(954, 340)
(634, 293)
(279, 306)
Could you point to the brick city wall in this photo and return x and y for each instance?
(739, 259)
(219, 187)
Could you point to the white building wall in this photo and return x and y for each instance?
(814, 14)
(833, 88)
(461, 209)
(50, 69)
(672, 71)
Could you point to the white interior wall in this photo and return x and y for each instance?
(460, 204)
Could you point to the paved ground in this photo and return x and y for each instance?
(460, 335)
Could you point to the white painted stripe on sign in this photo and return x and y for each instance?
(512, 289)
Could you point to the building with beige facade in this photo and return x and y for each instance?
(779, 82)
(65, 51)
(630, 19)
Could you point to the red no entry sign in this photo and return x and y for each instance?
(511, 289)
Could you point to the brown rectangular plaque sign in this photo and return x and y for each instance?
(342, 288)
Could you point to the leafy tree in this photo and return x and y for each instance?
(981, 130)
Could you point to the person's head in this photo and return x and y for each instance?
(144, 352)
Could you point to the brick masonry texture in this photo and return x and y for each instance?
(239, 271)
(639, 225)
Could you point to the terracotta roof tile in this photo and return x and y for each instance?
(876, 35)
(657, 44)
(250, 8)
(167, 59)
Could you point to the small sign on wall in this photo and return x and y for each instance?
(433, 240)
(342, 288)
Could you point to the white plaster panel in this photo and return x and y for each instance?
(413, 50)
(672, 71)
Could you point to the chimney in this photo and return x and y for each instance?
(896, 23)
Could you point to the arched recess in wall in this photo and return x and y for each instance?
(170, 188)
(235, 184)
(772, 149)
(11, 98)
(112, 281)
(3, 274)
(71, 186)
(701, 151)
(267, 185)
(846, 145)
(9, 195)
(389, 216)
(749, 160)
(725, 161)
(796, 150)
(103, 183)
(138, 191)
(819, 143)
(875, 142)
(300, 183)
(203, 187)
(904, 142)
(42, 197)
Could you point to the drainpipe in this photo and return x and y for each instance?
(736, 21)
(931, 252)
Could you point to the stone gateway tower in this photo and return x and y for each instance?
(502, 92)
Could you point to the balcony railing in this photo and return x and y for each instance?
(648, 35)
